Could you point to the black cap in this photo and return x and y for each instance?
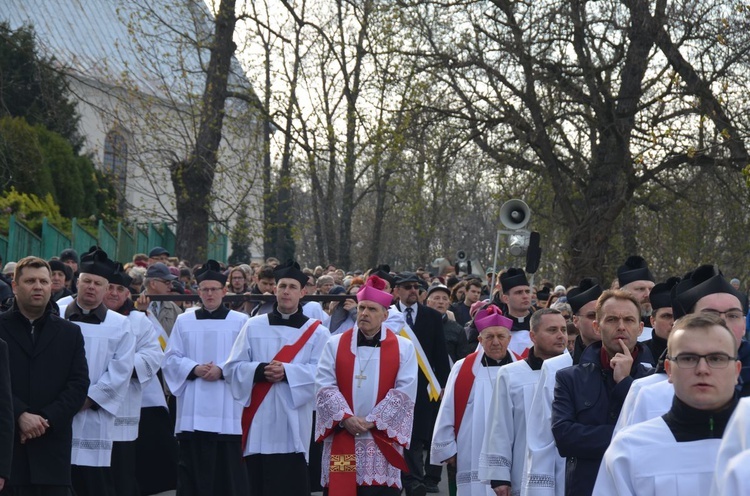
(210, 271)
(513, 277)
(543, 294)
(587, 290)
(157, 251)
(58, 265)
(119, 276)
(703, 281)
(634, 269)
(383, 271)
(290, 270)
(97, 262)
(69, 254)
(661, 294)
(406, 277)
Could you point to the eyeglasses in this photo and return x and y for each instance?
(729, 315)
(409, 286)
(209, 290)
(691, 360)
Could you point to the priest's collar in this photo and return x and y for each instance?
(74, 313)
(491, 362)
(534, 361)
(690, 424)
(218, 314)
(363, 340)
(296, 320)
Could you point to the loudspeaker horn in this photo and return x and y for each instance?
(515, 214)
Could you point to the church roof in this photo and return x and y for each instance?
(109, 40)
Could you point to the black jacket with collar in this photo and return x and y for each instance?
(49, 377)
(585, 409)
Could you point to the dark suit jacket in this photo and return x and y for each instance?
(49, 378)
(429, 330)
(7, 420)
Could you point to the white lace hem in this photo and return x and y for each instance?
(395, 416)
(331, 408)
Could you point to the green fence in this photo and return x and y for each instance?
(20, 241)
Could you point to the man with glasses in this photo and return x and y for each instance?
(674, 454)
(158, 281)
(208, 418)
(704, 290)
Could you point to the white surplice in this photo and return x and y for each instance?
(734, 480)
(646, 460)
(545, 468)
(520, 342)
(652, 400)
(394, 414)
(109, 353)
(202, 405)
(283, 422)
(628, 406)
(147, 361)
(736, 440)
(503, 453)
(468, 446)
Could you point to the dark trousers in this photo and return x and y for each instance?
(414, 457)
(432, 473)
(278, 474)
(210, 464)
(123, 468)
(92, 481)
(156, 452)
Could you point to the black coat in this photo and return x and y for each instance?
(49, 378)
(584, 413)
(429, 330)
(7, 420)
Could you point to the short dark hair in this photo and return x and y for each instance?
(474, 282)
(266, 272)
(536, 317)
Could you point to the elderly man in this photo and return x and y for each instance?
(271, 371)
(110, 345)
(367, 384)
(208, 417)
(675, 454)
(158, 281)
(504, 449)
(588, 396)
(463, 415)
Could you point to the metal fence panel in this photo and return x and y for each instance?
(82, 239)
(141, 240)
(54, 241)
(21, 241)
(125, 244)
(107, 241)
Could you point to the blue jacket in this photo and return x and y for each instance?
(584, 413)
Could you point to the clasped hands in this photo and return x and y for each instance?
(208, 371)
(31, 426)
(274, 371)
(357, 425)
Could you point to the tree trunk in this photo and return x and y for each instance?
(193, 178)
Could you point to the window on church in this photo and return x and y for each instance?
(116, 158)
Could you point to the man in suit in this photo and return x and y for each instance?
(158, 281)
(427, 326)
(49, 379)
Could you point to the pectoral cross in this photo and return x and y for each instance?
(360, 377)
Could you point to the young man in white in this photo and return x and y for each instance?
(208, 417)
(675, 454)
(271, 371)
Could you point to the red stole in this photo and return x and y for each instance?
(462, 390)
(343, 466)
(260, 389)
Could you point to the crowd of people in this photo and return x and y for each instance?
(112, 385)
